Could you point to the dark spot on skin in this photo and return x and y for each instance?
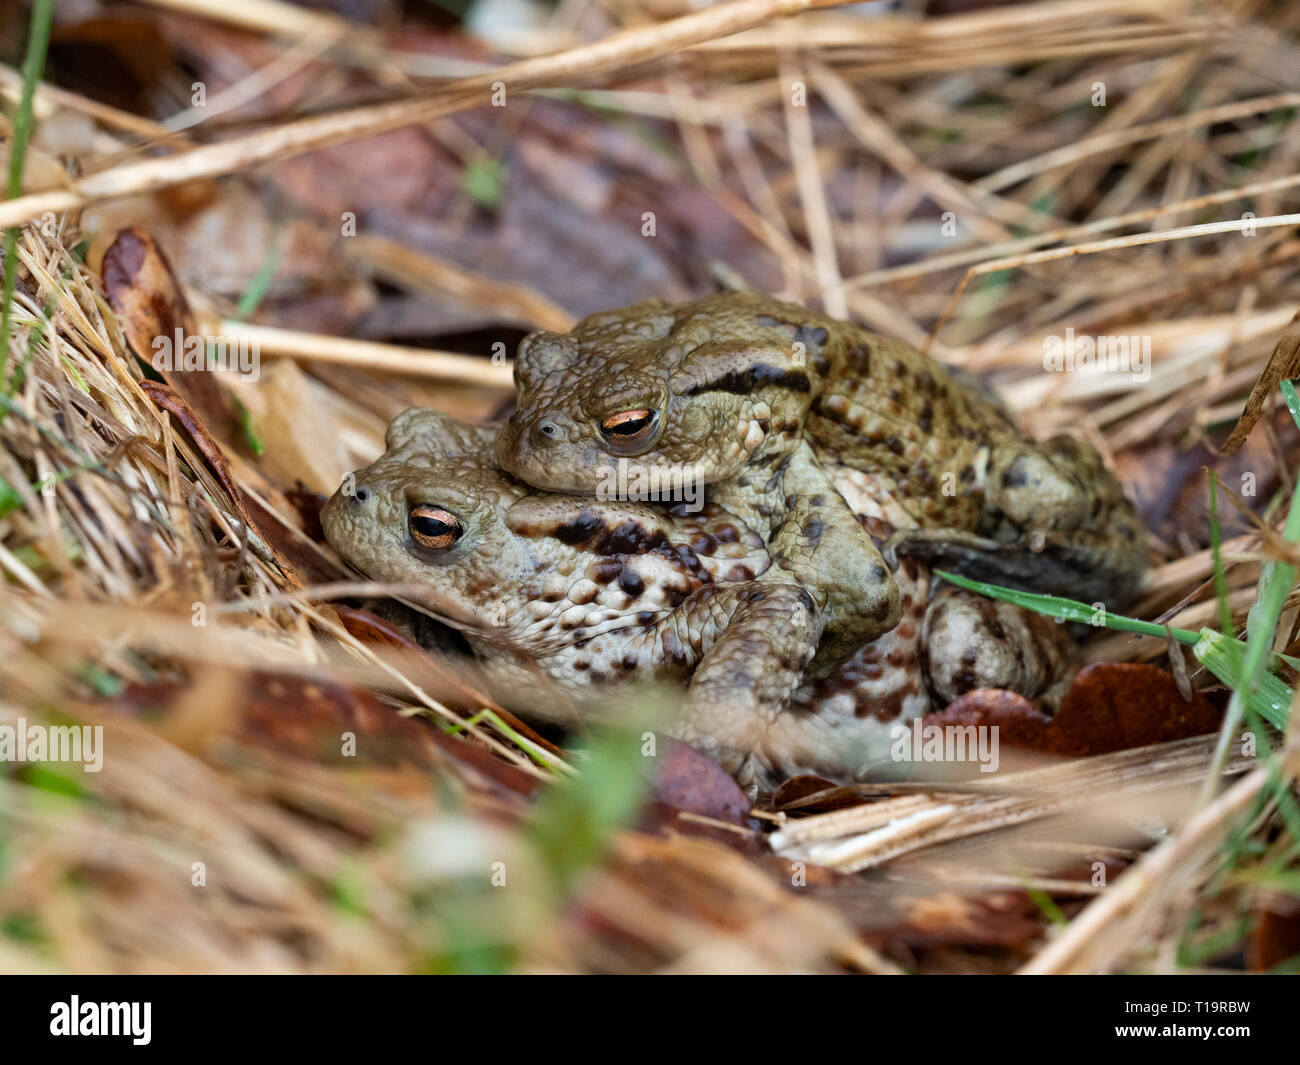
(740, 573)
(645, 617)
(859, 358)
(703, 544)
(628, 662)
(818, 500)
(963, 681)
(676, 596)
(894, 444)
(684, 559)
(581, 663)
(605, 570)
(1015, 475)
(579, 529)
(631, 583)
(746, 382)
(811, 336)
(884, 708)
(630, 538)
(895, 395)
(925, 421)
(692, 510)
(627, 538)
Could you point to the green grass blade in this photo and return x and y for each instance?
(1275, 583)
(38, 41)
(1069, 609)
(1216, 557)
(1270, 697)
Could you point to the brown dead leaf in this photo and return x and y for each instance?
(151, 307)
(1275, 937)
(310, 717)
(810, 794)
(303, 717)
(687, 780)
(1110, 707)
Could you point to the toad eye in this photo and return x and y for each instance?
(630, 426)
(433, 527)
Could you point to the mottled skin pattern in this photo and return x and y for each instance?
(769, 400)
(570, 601)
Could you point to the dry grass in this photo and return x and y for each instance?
(315, 864)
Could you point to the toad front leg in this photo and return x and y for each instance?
(817, 540)
(751, 642)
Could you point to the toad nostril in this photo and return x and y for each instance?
(549, 430)
(361, 495)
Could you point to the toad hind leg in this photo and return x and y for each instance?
(752, 641)
(1054, 520)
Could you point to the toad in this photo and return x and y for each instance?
(773, 406)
